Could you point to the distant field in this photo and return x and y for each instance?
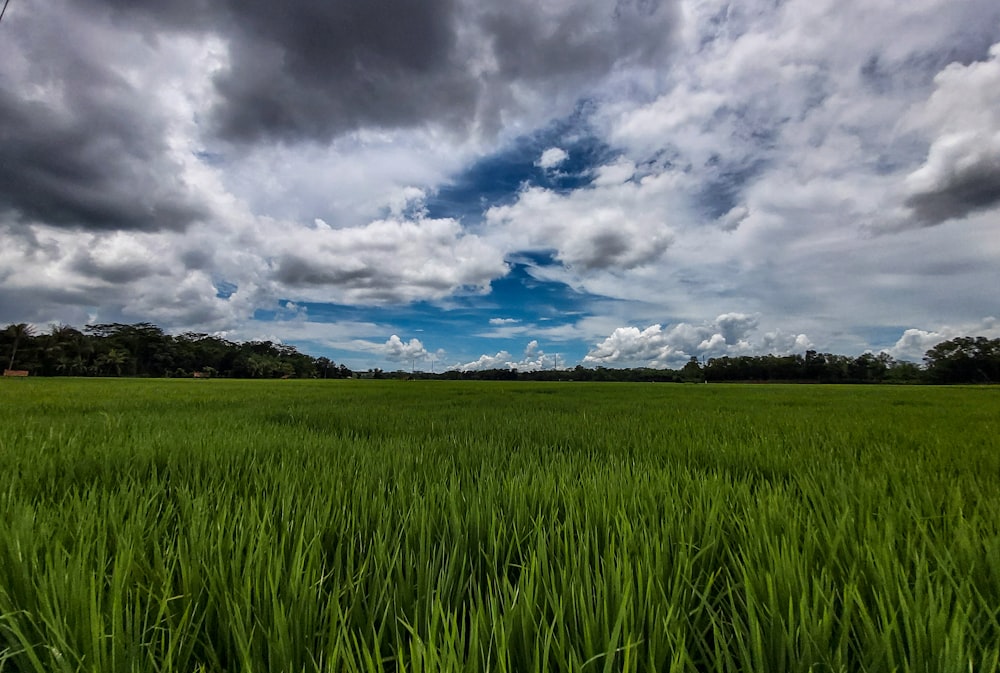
(231, 526)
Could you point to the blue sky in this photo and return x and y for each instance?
(458, 184)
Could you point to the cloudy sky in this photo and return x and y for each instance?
(469, 183)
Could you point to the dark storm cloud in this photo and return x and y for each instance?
(86, 153)
(88, 170)
(115, 272)
(585, 39)
(34, 305)
(296, 271)
(90, 152)
(196, 258)
(608, 249)
(965, 192)
(315, 69)
(312, 69)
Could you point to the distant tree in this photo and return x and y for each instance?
(964, 360)
(18, 332)
(196, 351)
(902, 371)
(112, 361)
(813, 366)
(324, 367)
(692, 371)
(869, 368)
(61, 351)
(148, 351)
(837, 368)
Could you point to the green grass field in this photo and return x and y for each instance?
(286, 526)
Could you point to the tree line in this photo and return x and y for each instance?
(143, 349)
(960, 360)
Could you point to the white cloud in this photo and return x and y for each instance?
(112, 277)
(500, 360)
(628, 345)
(914, 342)
(657, 346)
(793, 149)
(397, 350)
(551, 158)
(504, 321)
(160, 276)
(779, 343)
(394, 349)
(532, 359)
(733, 218)
(409, 202)
(618, 223)
(390, 260)
(962, 170)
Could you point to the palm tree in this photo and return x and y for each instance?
(18, 331)
(114, 358)
(70, 349)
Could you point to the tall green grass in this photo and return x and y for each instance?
(387, 526)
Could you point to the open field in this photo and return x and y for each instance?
(157, 525)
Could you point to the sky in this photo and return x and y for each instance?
(469, 184)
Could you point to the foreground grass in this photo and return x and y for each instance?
(387, 526)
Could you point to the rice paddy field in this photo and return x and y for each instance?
(300, 526)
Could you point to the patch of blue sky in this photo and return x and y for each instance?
(519, 296)
(223, 288)
(496, 179)
(211, 158)
(520, 308)
(523, 292)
